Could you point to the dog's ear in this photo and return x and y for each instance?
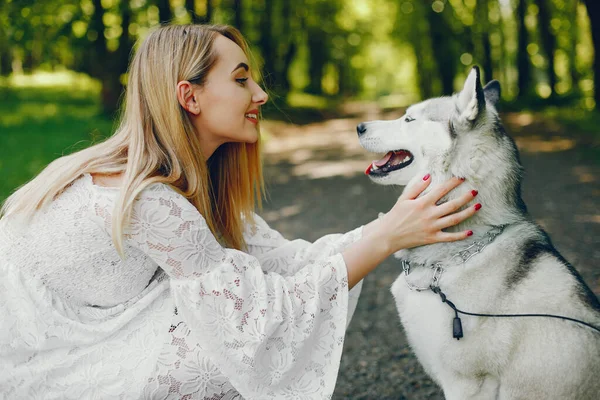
(471, 100)
(491, 91)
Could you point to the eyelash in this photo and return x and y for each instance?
(241, 81)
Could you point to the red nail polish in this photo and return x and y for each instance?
(474, 192)
(470, 233)
(426, 177)
(462, 178)
(477, 206)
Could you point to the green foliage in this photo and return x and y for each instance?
(365, 49)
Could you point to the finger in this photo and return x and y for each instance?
(443, 189)
(453, 236)
(457, 218)
(453, 205)
(415, 187)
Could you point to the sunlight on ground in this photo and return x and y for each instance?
(538, 144)
(328, 169)
(320, 150)
(283, 212)
(595, 219)
(584, 174)
(523, 119)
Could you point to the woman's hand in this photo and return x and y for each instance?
(416, 221)
(411, 222)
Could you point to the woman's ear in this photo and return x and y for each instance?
(187, 97)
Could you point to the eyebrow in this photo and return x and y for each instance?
(241, 65)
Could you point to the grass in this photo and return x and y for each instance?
(39, 122)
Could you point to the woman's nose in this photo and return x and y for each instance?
(260, 96)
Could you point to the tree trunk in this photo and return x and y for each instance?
(98, 49)
(317, 49)
(238, 12)
(5, 61)
(523, 65)
(209, 12)
(190, 6)
(483, 38)
(574, 36)
(105, 66)
(287, 47)
(548, 40)
(593, 9)
(442, 48)
(165, 14)
(267, 47)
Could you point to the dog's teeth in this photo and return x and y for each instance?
(406, 159)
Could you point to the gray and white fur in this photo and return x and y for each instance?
(519, 272)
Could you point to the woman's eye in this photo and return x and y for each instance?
(241, 81)
(408, 119)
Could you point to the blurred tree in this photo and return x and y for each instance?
(266, 42)
(6, 58)
(165, 15)
(413, 26)
(319, 33)
(548, 40)
(523, 62)
(572, 49)
(109, 66)
(482, 27)
(442, 44)
(238, 14)
(208, 16)
(593, 9)
(190, 6)
(334, 47)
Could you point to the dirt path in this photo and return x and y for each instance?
(316, 186)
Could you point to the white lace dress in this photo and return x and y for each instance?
(180, 317)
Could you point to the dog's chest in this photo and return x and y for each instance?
(428, 323)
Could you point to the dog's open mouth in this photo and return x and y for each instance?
(392, 161)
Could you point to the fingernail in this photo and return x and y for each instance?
(470, 233)
(462, 178)
(426, 177)
(477, 206)
(474, 192)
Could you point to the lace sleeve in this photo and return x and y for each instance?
(285, 257)
(271, 335)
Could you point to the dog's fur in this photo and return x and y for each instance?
(519, 272)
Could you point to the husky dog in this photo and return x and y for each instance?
(508, 266)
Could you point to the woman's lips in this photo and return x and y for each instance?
(252, 116)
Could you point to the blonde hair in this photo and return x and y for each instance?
(156, 142)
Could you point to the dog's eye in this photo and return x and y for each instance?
(408, 119)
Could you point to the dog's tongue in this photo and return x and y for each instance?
(384, 160)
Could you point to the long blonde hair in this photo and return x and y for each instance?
(156, 142)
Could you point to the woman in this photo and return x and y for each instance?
(136, 268)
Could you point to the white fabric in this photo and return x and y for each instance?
(210, 323)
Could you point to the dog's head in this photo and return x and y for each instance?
(426, 138)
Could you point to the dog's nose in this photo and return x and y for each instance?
(361, 128)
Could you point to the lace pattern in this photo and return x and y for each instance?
(268, 323)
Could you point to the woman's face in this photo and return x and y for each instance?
(229, 101)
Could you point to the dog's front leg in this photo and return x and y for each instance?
(460, 388)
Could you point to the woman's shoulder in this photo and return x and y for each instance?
(112, 184)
